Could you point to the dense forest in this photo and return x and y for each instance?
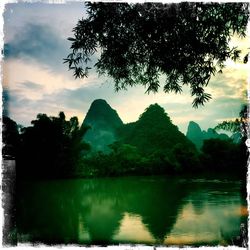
(53, 147)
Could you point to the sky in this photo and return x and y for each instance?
(35, 80)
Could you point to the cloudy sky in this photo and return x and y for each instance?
(35, 80)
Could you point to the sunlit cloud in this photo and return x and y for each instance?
(31, 85)
(232, 82)
(16, 71)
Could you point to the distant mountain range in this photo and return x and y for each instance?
(153, 130)
(197, 136)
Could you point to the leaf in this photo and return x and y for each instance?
(137, 44)
(71, 39)
(245, 60)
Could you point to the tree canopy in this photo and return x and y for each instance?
(52, 147)
(185, 42)
(10, 138)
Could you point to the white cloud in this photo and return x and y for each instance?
(17, 71)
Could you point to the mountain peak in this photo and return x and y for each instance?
(156, 111)
(193, 127)
(99, 102)
(100, 111)
(197, 136)
(103, 121)
(154, 132)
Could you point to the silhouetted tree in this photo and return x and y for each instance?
(185, 159)
(138, 43)
(240, 124)
(223, 155)
(52, 147)
(10, 138)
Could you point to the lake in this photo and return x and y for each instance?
(145, 210)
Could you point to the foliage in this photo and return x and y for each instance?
(222, 155)
(10, 138)
(185, 159)
(124, 159)
(185, 42)
(235, 155)
(52, 147)
(240, 124)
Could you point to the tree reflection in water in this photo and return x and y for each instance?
(94, 211)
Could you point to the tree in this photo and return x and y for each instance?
(240, 124)
(223, 155)
(185, 159)
(51, 147)
(10, 138)
(185, 42)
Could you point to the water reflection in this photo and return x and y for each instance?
(129, 210)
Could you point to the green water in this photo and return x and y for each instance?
(150, 210)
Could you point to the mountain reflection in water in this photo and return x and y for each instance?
(151, 210)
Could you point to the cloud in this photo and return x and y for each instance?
(226, 107)
(63, 17)
(32, 85)
(5, 99)
(16, 72)
(74, 102)
(37, 32)
(232, 83)
(40, 43)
